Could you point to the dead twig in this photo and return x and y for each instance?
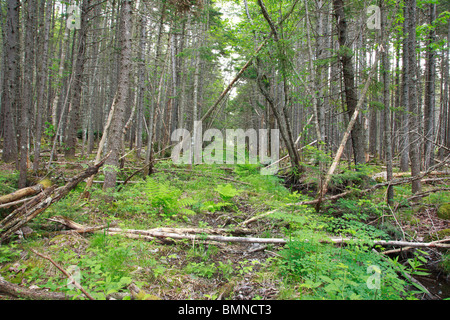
(72, 280)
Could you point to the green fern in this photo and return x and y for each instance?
(227, 192)
(167, 198)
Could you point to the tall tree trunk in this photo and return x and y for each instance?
(120, 100)
(429, 109)
(385, 67)
(73, 118)
(445, 101)
(59, 80)
(41, 84)
(351, 99)
(11, 94)
(280, 113)
(141, 82)
(414, 151)
(404, 136)
(28, 70)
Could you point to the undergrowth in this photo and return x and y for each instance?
(219, 196)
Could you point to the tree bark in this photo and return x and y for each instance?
(430, 100)
(11, 100)
(73, 117)
(116, 129)
(351, 99)
(385, 66)
(41, 85)
(28, 92)
(414, 151)
(21, 193)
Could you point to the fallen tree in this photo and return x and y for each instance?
(14, 290)
(21, 193)
(201, 234)
(31, 209)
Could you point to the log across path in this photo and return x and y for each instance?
(202, 234)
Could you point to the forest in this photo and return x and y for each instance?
(224, 150)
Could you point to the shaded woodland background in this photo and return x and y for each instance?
(137, 70)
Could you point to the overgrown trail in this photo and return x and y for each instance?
(218, 201)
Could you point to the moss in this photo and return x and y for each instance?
(444, 211)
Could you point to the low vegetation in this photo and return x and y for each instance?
(213, 197)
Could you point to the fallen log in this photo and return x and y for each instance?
(22, 215)
(432, 173)
(426, 193)
(111, 229)
(14, 290)
(176, 236)
(14, 203)
(21, 193)
(18, 214)
(201, 234)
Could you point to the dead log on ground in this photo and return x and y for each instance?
(195, 234)
(176, 236)
(14, 203)
(21, 193)
(14, 290)
(22, 215)
(84, 229)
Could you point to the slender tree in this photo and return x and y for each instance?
(411, 83)
(430, 100)
(73, 117)
(11, 92)
(346, 56)
(121, 98)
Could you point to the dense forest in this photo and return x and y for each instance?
(351, 97)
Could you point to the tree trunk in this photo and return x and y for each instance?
(28, 70)
(11, 101)
(351, 99)
(429, 109)
(42, 81)
(414, 151)
(385, 67)
(280, 113)
(74, 112)
(404, 127)
(116, 129)
(141, 83)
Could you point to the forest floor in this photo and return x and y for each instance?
(224, 197)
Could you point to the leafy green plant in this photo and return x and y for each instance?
(49, 130)
(9, 253)
(167, 198)
(227, 192)
(8, 181)
(328, 272)
(201, 269)
(212, 207)
(356, 229)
